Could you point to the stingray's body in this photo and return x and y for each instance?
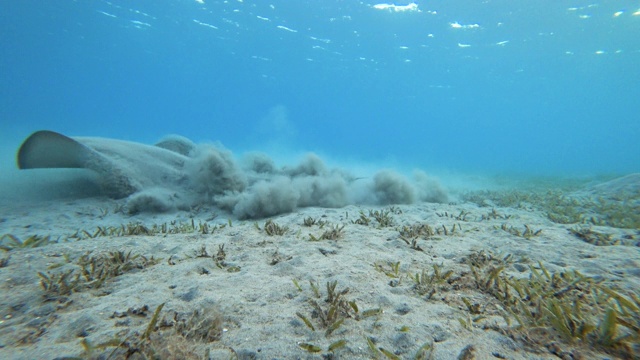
(123, 167)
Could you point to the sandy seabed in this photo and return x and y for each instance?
(237, 292)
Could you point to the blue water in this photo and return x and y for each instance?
(540, 87)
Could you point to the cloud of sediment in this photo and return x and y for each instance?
(256, 187)
(213, 171)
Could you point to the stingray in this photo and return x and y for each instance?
(123, 167)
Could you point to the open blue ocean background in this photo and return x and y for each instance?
(533, 87)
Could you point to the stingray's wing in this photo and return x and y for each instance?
(178, 144)
(48, 149)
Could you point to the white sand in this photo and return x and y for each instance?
(258, 304)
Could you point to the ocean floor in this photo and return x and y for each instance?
(493, 275)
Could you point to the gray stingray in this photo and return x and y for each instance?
(123, 167)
